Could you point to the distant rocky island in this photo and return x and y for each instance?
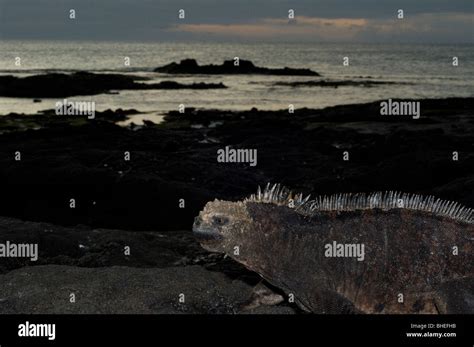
(58, 85)
(229, 67)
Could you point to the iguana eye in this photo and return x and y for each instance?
(219, 220)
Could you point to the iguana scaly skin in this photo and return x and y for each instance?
(418, 250)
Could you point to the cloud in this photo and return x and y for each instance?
(455, 27)
(268, 28)
(425, 27)
(317, 20)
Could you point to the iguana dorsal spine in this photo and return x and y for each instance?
(282, 196)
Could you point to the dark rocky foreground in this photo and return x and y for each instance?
(190, 66)
(56, 85)
(178, 159)
(122, 290)
(84, 159)
(92, 265)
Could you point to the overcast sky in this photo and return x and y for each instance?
(438, 21)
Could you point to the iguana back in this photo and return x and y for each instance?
(384, 252)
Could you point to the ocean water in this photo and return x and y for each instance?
(428, 69)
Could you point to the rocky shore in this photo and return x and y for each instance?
(136, 202)
(68, 157)
(91, 264)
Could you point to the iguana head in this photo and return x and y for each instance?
(247, 231)
(222, 225)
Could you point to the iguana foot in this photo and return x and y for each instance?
(262, 295)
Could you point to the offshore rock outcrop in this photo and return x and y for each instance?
(245, 67)
(58, 85)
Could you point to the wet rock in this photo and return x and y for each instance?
(92, 264)
(87, 247)
(120, 290)
(48, 118)
(173, 161)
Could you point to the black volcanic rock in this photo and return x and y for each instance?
(92, 264)
(126, 290)
(136, 203)
(45, 118)
(86, 247)
(115, 290)
(177, 160)
(190, 66)
(58, 85)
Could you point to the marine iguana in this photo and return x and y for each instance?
(418, 249)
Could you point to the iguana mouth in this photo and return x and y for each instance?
(206, 236)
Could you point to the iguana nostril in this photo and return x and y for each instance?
(197, 221)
